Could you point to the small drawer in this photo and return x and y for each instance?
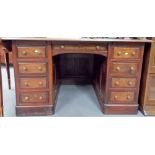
(32, 68)
(123, 82)
(33, 97)
(124, 68)
(31, 52)
(122, 97)
(126, 53)
(33, 83)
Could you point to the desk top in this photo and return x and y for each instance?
(84, 39)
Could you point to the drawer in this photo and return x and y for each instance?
(129, 69)
(122, 97)
(31, 52)
(123, 82)
(126, 53)
(80, 47)
(31, 68)
(33, 97)
(33, 83)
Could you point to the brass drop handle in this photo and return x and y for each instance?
(62, 46)
(118, 68)
(26, 98)
(40, 68)
(40, 97)
(117, 83)
(97, 47)
(24, 52)
(119, 53)
(26, 84)
(37, 51)
(25, 68)
(40, 83)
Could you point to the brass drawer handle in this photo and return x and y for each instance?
(126, 53)
(25, 68)
(62, 46)
(130, 83)
(117, 83)
(40, 83)
(26, 98)
(118, 68)
(119, 53)
(115, 97)
(24, 52)
(40, 68)
(26, 84)
(37, 52)
(128, 97)
(97, 47)
(40, 98)
(133, 53)
(132, 68)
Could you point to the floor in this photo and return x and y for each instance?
(83, 104)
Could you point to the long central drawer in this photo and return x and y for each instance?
(100, 48)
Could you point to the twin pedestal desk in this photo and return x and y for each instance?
(112, 66)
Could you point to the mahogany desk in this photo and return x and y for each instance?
(41, 65)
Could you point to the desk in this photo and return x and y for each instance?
(41, 65)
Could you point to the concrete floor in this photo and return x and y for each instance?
(73, 100)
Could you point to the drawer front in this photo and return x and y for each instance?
(129, 53)
(33, 83)
(31, 52)
(122, 97)
(31, 97)
(124, 68)
(123, 82)
(30, 68)
(80, 47)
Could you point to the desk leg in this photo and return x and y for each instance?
(7, 68)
